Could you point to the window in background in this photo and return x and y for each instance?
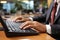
(8, 6)
(29, 5)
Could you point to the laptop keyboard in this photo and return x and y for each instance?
(13, 26)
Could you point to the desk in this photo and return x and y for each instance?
(42, 36)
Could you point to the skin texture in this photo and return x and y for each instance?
(39, 27)
(32, 24)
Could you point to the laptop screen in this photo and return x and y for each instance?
(3, 23)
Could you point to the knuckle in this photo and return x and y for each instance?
(29, 25)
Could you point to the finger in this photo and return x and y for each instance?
(17, 18)
(23, 25)
(18, 21)
(31, 27)
(28, 26)
(14, 19)
(35, 30)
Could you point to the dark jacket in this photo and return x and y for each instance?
(55, 28)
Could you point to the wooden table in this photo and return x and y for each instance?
(42, 36)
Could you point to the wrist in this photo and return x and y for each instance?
(44, 28)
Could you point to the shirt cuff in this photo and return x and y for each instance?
(48, 29)
(31, 18)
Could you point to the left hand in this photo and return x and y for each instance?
(34, 24)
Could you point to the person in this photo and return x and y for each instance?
(40, 9)
(44, 23)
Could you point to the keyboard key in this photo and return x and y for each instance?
(15, 27)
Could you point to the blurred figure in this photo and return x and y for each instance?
(40, 9)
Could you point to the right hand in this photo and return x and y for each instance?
(37, 26)
(21, 19)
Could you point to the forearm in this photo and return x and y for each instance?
(40, 19)
(55, 29)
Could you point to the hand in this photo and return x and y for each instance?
(21, 19)
(35, 25)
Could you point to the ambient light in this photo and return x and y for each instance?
(3, 1)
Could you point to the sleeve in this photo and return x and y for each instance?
(48, 29)
(31, 18)
(55, 30)
(41, 18)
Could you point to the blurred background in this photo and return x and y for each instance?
(24, 6)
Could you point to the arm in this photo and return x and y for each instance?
(55, 29)
(41, 18)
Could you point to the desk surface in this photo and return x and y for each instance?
(42, 36)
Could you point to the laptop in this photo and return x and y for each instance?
(12, 29)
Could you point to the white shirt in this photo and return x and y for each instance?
(48, 27)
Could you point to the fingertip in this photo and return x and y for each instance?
(20, 27)
(23, 28)
(13, 20)
(26, 28)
